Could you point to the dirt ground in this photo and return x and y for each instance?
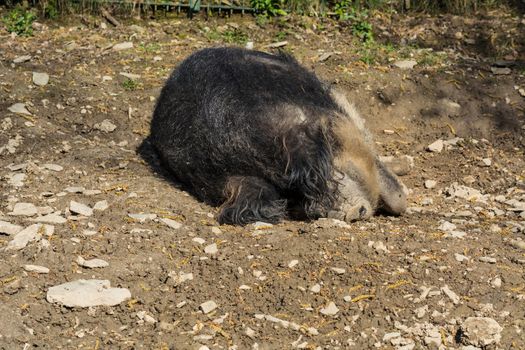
(406, 282)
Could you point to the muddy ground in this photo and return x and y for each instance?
(405, 282)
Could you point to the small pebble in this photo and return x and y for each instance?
(211, 249)
(36, 268)
(208, 306)
(330, 310)
(80, 209)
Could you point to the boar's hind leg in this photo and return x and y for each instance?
(250, 199)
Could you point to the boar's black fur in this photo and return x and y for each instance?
(251, 132)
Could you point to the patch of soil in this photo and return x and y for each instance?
(390, 277)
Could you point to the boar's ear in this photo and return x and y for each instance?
(250, 199)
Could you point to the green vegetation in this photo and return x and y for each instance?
(19, 21)
(268, 8)
(130, 85)
(235, 36)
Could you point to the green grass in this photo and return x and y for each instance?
(130, 85)
(19, 21)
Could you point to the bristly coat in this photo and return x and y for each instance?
(261, 136)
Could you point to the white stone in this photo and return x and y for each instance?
(330, 310)
(517, 244)
(106, 126)
(24, 209)
(130, 75)
(171, 223)
(405, 64)
(74, 189)
(338, 270)
(79, 208)
(496, 282)
(180, 277)
(486, 162)
(389, 336)
(16, 180)
(430, 184)
(87, 293)
(19, 108)
(316, 288)
(8, 228)
(199, 240)
(480, 331)
(123, 46)
(101, 205)
(143, 316)
(249, 332)
(53, 167)
(31, 233)
(216, 230)
(21, 59)
(92, 263)
(208, 306)
(461, 257)
(449, 293)
(53, 218)
(36, 268)
(211, 249)
(40, 79)
(488, 259)
(436, 146)
(143, 217)
(293, 263)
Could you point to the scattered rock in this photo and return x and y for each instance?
(171, 223)
(513, 242)
(430, 184)
(325, 56)
(19, 108)
(16, 180)
(21, 59)
(8, 228)
(24, 209)
(485, 162)
(480, 331)
(80, 209)
(180, 277)
(130, 75)
(500, 71)
(316, 288)
(143, 217)
(277, 44)
(123, 46)
(436, 146)
(101, 205)
(53, 218)
(208, 306)
(53, 167)
(293, 263)
(40, 79)
(31, 233)
(106, 126)
(488, 259)
(330, 310)
(92, 263)
(143, 316)
(36, 268)
(405, 64)
(87, 293)
(211, 249)
(449, 293)
(199, 240)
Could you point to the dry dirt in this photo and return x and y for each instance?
(397, 282)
